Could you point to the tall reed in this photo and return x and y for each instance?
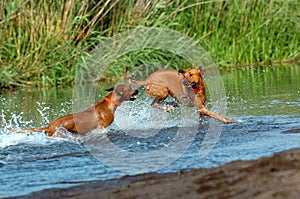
(43, 43)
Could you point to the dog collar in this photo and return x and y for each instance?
(196, 90)
(112, 101)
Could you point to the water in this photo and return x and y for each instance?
(265, 100)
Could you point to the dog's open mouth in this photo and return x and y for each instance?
(133, 96)
(194, 85)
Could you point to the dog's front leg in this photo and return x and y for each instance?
(207, 112)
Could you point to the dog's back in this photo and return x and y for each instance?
(178, 86)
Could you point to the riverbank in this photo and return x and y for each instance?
(277, 176)
(50, 54)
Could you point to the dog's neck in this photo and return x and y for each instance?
(109, 100)
(198, 89)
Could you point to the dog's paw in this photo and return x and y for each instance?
(168, 109)
(229, 121)
(173, 104)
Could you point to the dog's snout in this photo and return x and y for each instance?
(133, 95)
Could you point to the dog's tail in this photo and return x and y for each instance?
(133, 82)
(27, 130)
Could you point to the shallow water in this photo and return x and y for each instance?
(265, 101)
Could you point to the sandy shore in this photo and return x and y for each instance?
(268, 177)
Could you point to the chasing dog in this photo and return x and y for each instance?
(186, 86)
(98, 116)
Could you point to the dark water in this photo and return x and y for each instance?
(265, 101)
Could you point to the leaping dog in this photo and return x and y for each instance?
(98, 116)
(186, 86)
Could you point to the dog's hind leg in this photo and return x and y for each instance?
(173, 104)
(156, 104)
(159, 93)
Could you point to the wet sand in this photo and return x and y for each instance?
(277, 176)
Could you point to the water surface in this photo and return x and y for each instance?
(265, 101)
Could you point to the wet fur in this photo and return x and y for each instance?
(186, 86)
(98, 116)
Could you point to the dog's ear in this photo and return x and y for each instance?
(181, 71)
(109, 89)
(200, 70)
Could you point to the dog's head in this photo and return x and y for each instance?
(123, 92)
(193, 76)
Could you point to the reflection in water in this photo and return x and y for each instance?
(263, 90)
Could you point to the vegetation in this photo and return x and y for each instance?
(44, 43)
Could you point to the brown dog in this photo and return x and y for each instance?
(186, 86)
(98, 116)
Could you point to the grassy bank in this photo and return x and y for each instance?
(43, 44)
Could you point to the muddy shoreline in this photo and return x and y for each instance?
(277, 176)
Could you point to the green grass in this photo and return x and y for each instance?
(43, 44)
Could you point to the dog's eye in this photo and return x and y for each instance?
(191, 74)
